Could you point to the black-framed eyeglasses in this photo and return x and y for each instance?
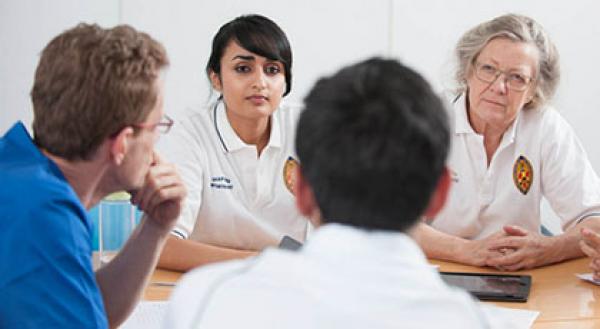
(163, 126)
(514, 80)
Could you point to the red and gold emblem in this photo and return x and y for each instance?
(523, 174)
(289, 173)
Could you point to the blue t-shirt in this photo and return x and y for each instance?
(46, 275)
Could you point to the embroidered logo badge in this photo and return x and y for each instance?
(289, 173)
(523, 174)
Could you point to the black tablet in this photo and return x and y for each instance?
(496, 287)
(289, 243)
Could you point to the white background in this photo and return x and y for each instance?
(325, 35)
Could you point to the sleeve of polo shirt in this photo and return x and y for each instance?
(182, 146)
(569, 182)
(54, 285)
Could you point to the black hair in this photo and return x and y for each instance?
(258, 35)
(372, 143)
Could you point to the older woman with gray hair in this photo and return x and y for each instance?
(510, 149)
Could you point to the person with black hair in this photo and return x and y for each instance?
(372, 144)
(236, 156)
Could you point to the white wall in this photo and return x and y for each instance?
(324, 35)
(187, 28)
(26, 26)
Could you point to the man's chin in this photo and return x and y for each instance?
(136, 186)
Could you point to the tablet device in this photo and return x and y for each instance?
(289, 243)
(494, 287)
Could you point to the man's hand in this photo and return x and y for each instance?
(526, 250)
(590, 245)
(122, 280)
(161, 197)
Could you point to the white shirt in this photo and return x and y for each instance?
(553, 165)
(235, 198)
(342, 278)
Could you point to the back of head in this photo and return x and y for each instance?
(373, 141)
(90, 83)
(257, 34)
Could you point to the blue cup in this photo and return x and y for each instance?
(116, 221)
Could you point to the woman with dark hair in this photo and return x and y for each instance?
(236, 156)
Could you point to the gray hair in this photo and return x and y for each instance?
(517, 28)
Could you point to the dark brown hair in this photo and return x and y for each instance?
(257, 34)
(380, 171)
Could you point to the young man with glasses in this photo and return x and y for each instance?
(98, 103)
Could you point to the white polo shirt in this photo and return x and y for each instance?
(342, 278)
(539, 155)
(235, 198)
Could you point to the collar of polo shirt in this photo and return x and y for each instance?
(230, 141)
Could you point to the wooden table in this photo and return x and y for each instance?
(160, 292)
(563, 300)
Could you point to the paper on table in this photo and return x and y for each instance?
(147, 315)
(588, 277)
(503, 317)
